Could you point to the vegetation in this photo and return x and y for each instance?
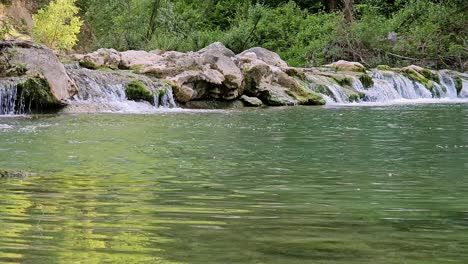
(431, 33)
(137, 91)
(57, 25)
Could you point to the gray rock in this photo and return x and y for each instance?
(251, 101)
(267, 56)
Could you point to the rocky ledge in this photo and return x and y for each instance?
(213, 77)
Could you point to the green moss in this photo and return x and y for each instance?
(356, 97)
(428, 74)
(35, 92)
(88, 64)
(366, 81)
(306, 97)
(296, 73)
(346, 81)
(137, 91)
(323, 89)
(384, 68)
(137, 68)
(415, 76)
(458, 84)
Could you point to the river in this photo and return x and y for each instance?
(336, 184)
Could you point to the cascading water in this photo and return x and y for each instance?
(390, 86)
(105, 90)
(9, 104)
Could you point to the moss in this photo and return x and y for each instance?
(306, 97)
(366, 81)
(35, 95)
(88, 64)
(384, 68)
(458, 84)
(428, 74)
(356, 97)
(137, 91)
(346, 81)
(137, 68)
(415, 76)
(296, 73)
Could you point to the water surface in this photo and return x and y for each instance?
(288, 185)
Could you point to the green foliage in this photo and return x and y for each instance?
(137, 91)
(57, 25)
(5, 29)
(303, 32)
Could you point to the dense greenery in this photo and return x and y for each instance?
(57, 25)
(431, 33)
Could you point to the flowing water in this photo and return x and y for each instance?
(376, 185)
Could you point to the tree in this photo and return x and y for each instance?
(57, 25)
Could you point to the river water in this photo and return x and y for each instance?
(285, 185)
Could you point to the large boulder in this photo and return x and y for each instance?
(37, 61)
(102, 58)
(134, 59)
(276, 86)
(210, 73)
(267, 56)
(343, 65)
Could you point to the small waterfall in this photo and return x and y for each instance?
(388, 86)
(9, 97)
(106, 89)
(449, 83)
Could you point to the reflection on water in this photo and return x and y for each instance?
(299, 185)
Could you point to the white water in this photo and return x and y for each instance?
(394, 88)
(8, 97)
(100, 91)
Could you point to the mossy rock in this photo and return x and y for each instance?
(88, 64)
(296, 73)
(458, 84)
(357, 97)
(366, 81)
(430, 75)
(384, 68)
(14, 174)
(346, 81)
(35, 94)
(137, 91)
(416, 76)
(305, 97)
(323, 89)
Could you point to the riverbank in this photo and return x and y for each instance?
(35, 79)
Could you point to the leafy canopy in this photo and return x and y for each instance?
(57, 25)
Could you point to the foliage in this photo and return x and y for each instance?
(57, 25)
(304, 32)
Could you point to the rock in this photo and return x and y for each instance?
(269, 57)
(274, 86)
(14, 174)
(251, 101)
(210, 73)
(214, 104)
(137, 91)
(43, 63)
(343, 65)
(134, 59)
(109, 58)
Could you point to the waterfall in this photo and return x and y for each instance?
(387, 87)
(8, 97)
(105, 90)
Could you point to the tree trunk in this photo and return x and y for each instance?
(348, 11)
(332, 5)
(152, 22)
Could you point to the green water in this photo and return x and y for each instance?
(294, 185)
